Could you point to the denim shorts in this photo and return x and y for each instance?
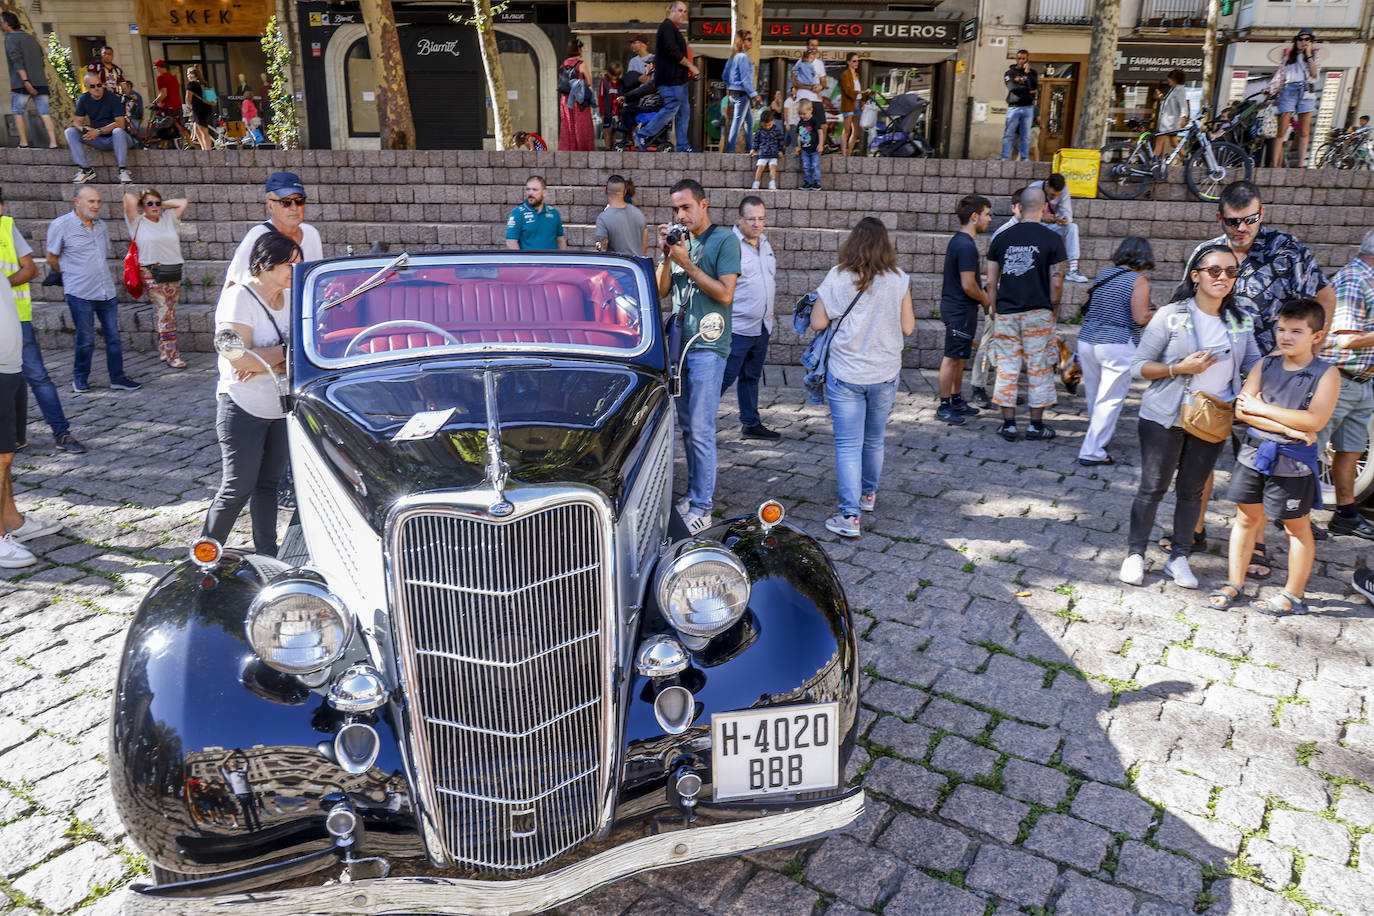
(1292, 99)
(20, 100)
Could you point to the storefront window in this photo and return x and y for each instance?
(360, 84)
(522, 86)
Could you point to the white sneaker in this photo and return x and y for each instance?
(754, 186)
(1182, 574)
(35, 527)
(772, 185)
(846, 526)
(696, 522)
(14, 555)
(867, 501)
(683, 506)
(1133, 570)
(1074, 276)
(125, 176)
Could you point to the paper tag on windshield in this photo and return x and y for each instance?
(423, 425)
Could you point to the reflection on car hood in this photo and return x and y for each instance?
(559, 424)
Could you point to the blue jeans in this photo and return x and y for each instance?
(696, 417)
(1019, 120)
(44, 391)
(859, 414)
(811, 166)
(84, 313)
(744, 115)
(746, 365)
(675, 104)
(116, 140)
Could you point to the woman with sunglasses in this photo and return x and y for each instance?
(1200, 342)
(739, 83)
(154, 226)
(852, 96)
(1295, 85)
(248, 416)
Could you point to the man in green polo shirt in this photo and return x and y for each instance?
(700, 273)
(533, 226)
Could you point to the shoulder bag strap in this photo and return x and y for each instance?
(835, 330)
(281, 341)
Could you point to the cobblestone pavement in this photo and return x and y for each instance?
(1037, 737)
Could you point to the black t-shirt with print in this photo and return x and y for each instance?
(1026, 252)
(809, 129)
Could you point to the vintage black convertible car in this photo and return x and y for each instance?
(490, 671)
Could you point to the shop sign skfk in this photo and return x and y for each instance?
(916, 33)
(203, 17)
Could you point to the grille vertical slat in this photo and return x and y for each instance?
(501, 626)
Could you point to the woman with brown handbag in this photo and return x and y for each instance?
(1195, 353)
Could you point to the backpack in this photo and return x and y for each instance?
(566, 75)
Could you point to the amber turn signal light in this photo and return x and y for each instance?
(205, 552)
(770, 514)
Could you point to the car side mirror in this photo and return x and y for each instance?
(229, 344)
(709, 329)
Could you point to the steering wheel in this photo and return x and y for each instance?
(398, 323)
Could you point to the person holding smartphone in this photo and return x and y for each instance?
(1200, 342)
(1295, 86)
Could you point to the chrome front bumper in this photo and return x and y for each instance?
(530, 895)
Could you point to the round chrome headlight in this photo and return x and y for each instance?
(703, 590)
(297, 625)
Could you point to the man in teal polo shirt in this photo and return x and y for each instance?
(701, 273)
(533, 226)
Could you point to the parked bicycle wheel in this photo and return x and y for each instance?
(1326, 156)
(1207, 183)
(1126, 170)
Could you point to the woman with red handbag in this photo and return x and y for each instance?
(153, 227)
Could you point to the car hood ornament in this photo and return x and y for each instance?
(497, 469)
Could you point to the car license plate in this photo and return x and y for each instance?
(775, 751)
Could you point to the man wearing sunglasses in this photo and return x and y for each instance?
(286, 214)
(1274, 267)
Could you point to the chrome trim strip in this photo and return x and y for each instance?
(472, 505)
(528, 895)
(576, 777)
(503, 593)
(524, 734)
(453, 656)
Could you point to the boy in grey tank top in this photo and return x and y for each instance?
(1287, 399)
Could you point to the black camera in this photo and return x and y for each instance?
(677, 233)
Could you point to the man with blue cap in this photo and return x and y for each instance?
(286, 214)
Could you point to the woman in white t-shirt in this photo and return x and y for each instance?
(868, 299)
(248, 416)
(154, 226)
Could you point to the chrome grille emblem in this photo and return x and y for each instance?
(500, 509)
(503, 637)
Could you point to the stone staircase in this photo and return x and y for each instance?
(451, 200)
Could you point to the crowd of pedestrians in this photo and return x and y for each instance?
(1254, 347)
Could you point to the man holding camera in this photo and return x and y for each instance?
(699, 270)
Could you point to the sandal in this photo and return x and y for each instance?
(1274, 606)
(1227, 601)
(1260, 566)
(1199, 541)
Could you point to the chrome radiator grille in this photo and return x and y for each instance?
(502, 637)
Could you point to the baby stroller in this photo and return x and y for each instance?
(635, 109)
(1243, 125)
(900, 130)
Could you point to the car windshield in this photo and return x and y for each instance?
(456, 303)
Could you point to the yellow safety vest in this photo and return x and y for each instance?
(9, 264)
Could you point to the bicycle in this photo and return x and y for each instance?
(1129, 168)
(1349, 150)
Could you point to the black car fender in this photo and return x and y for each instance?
(194, 703)
(795, 644)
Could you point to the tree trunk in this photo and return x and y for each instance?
(746, 16)
(60, 102)
(1097, 98)
(394, 120)
(1209, 53)
(496, 77)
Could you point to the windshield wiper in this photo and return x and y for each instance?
(371, 282)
